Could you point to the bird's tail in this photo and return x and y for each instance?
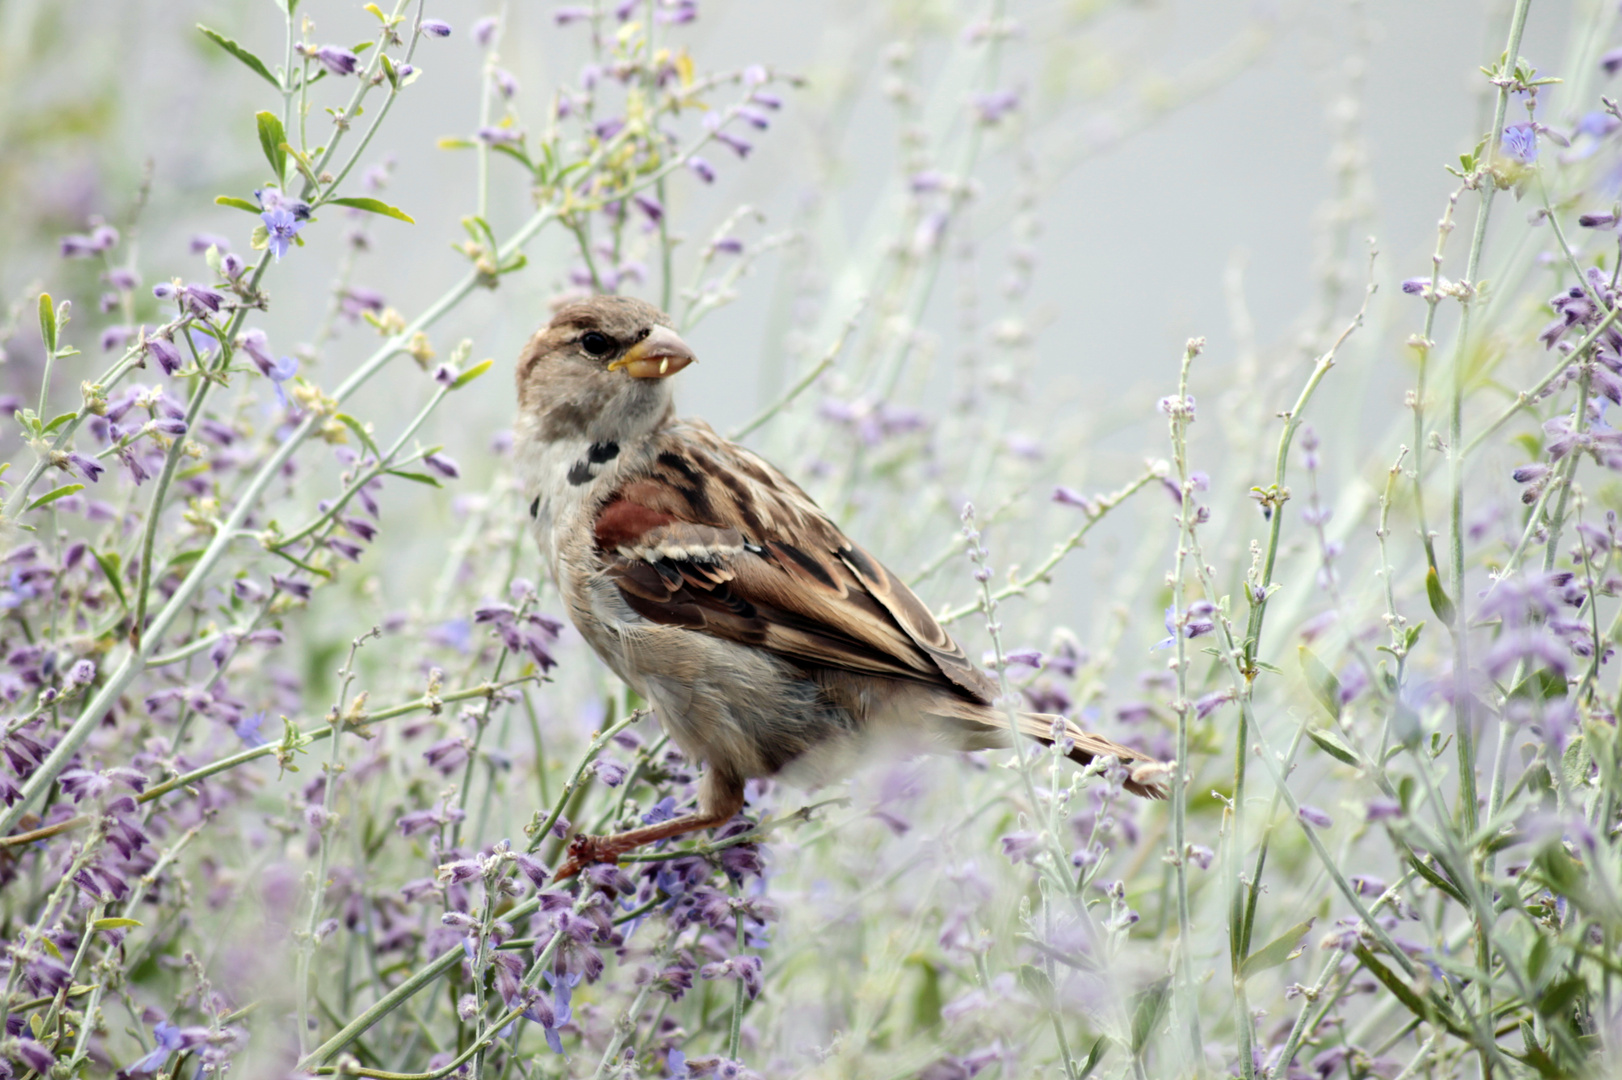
(1145, 775)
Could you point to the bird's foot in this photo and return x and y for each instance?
(587, 851)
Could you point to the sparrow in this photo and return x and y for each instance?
(768, 643)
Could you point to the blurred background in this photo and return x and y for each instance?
(1168, 143)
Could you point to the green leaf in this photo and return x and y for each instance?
(183, 559)
(1277, 951)
(360, 433)
(1439, 599)
(421, 478)
(1428, 872)
(1543, 684)
(1537, 957)
(115, 924)
(515, 153)
(374, 206)
(1147, 1007)
(1401, 990)
(59, 421)
(47, 323)
(240, 204)
(471, 373)
(254, 63)
(1095, 1057)
(1331, 744)
(272, 139)
(927, 1000)
(1559, 998)
(109, 564)
(52, 496)
(1321, 681)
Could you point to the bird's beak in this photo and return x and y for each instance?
(661, 353)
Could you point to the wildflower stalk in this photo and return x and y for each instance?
(1018, 584)
(1423, 345)
(1259, 590)
(160, 490)
(336, 720)
(1464, 733)
(804, 382)
(1181, 411)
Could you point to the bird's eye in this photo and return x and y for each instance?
(597, 344)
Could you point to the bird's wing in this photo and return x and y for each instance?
(716, 540)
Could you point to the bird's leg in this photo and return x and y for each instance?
(719, 799)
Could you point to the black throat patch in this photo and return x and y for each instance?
(586, 468)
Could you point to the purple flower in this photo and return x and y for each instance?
(679, 13)
(246, 728)
(81, 673)
(203, 241)
(1611, 61)
(443, 464)
(754, 117)
(744, 968)
(164, 352)
(1596, 221)
(569, 13)
(101, 238)
(505, 83)
(993, 106)
(280, 228)
(1315, 817)
(609, 771)
(649, 206)
(200, 300)
(701, 169)
(1520, 141)
(257, 346)
(484, 31)
(1201, 856)
(34, 1055)
(741, 147)
(114, 336)
(300, 589)
(1367, 885)
(1021, 846)
(499, 136)
(436, 27)
(88, 467)
(1414, 286)
(339, 61)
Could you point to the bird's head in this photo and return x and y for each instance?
(598, 370)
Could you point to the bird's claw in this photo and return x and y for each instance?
(584, 851)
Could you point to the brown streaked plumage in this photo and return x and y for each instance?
(767, 640)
